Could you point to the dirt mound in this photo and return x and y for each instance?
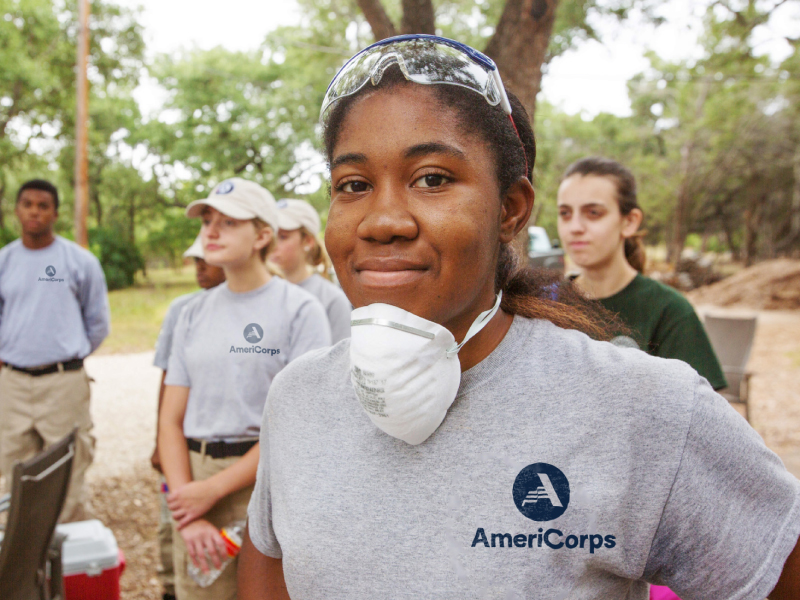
(773, 284)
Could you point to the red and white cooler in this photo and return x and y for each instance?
(91, 560)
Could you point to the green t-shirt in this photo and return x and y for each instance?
(664, 324)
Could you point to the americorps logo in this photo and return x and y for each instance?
(541, 492)
(50, 271)
(253, 333)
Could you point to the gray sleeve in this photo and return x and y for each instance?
(177, 371)
(339, 312)
(93, 297)
(733, 514)
(259, 511)
(164, 343)
(309, 329)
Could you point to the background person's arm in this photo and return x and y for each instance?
(260, 577)
(171, 441)
(93, 298)
(155, 459)
(788, 586)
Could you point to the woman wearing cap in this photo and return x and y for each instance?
(229, 344)
(522, 462)
(298, 253)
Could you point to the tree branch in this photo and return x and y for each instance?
(418, 17)
(379, 21)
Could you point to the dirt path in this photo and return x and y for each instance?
(125, 488)
(124, 406)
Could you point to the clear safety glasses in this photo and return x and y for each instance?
(425, 59)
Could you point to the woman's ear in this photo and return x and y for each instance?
(631, 222)
(263, 238)
(516, 209)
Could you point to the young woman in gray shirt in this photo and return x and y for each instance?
(229, 344)
(534, 463)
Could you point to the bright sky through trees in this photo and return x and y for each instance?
(590, 79)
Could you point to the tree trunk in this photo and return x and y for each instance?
(519, 46)
(379, 21)
(98, 207)
(793, 237)
(418, 17)
(684, 196)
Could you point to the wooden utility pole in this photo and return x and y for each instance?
(82, 128)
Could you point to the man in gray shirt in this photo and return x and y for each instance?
(53, 313)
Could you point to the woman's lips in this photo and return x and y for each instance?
(383, 272)
(389, 278)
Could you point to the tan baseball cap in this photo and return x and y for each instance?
(195, 250)
(239, 199)
(294, 214)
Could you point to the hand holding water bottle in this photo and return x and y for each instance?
(231, 537)
(204, 544)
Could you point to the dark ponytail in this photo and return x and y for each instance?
(626, 198)
(534, 294)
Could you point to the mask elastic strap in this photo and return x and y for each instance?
(477, 325)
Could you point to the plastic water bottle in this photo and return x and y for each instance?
(232, 536)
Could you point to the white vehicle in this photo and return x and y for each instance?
(541, 253)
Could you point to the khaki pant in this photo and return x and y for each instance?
(36, 412)
(228, 510)
(165, 572)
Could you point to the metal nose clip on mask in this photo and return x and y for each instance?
(405, 369)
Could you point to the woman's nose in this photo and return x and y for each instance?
(388, 218)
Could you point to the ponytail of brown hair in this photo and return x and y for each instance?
(317, 257)
(543, 294)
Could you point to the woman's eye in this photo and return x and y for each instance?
(230, 222)
(429, 181)
(354, 187)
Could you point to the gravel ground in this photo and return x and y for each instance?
(124, 486)
(124, 396)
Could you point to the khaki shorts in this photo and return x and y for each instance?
(228, 510)
(36, 412)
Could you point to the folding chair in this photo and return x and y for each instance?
(30, 557)
(732, 339)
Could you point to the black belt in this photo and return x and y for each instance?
(221, 449)
(68, 365)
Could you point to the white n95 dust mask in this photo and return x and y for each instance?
(405, 369)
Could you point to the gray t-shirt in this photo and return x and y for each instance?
(164, 342)
(228, 347)
(629, 467)
(337, 306)
(53, 303)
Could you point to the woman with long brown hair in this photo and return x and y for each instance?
(470, 440)
(598, 222)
